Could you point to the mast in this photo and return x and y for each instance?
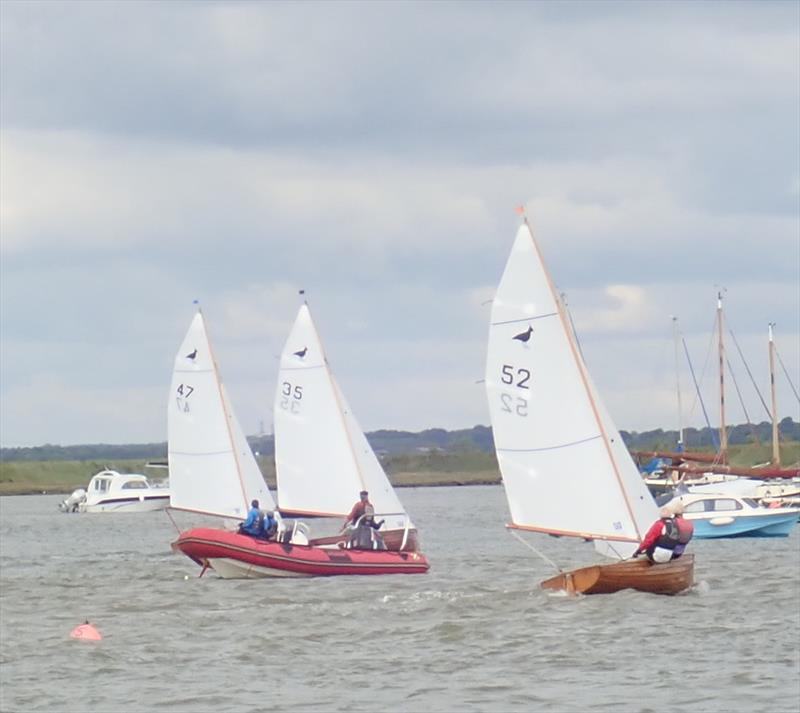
(776, 453)
(678, 385)
(723, 432)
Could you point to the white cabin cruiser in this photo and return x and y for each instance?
(110, 491)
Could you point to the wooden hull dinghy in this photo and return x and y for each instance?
(640, 574)
(565, 468)
(232, 555)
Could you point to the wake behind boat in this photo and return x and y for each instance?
(565, 467)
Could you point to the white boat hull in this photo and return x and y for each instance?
(147, 504)
(234, 569)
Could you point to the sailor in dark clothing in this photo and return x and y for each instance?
(270, 526)
(365, 536)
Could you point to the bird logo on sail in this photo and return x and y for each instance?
(525, 336)
(192, 355)
(301, 353)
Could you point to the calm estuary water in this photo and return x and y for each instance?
(475, 634)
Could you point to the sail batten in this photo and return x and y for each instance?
(564, 465)
(525, 319)
(551, 448)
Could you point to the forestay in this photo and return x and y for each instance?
(565, 467)
(322, 456)
(211, 466)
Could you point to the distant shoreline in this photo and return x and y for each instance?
(398, 480)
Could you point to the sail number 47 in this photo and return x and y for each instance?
(184, 391)
(514, 376)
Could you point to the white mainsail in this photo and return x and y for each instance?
(322, 456)
(565, 467)
(211, 467)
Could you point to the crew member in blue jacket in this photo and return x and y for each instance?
(254, 524)
(270, 526)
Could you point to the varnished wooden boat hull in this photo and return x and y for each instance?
(640, 574)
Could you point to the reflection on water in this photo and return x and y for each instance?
(475, 634)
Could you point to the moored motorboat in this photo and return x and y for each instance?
(716, 515)
(111, 491)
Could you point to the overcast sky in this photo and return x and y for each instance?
(153, 153)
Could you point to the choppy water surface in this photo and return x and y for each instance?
(475, 634)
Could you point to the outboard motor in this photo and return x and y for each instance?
(73, 502)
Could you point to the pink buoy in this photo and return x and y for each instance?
(86, 631)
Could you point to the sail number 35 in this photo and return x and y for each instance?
(514, 376)
(291, 397)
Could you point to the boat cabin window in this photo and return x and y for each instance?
(134, 485)
(752, 503)
(726, 504)
(101, 484)
(696, 506)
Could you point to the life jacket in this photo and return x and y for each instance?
(685, 530)
(670, 535)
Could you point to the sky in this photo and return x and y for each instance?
(156, 153)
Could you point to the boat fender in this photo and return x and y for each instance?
(720, 521)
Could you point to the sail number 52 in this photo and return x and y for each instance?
(513, 376)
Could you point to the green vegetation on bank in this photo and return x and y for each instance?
(428, 467)
(391, 443)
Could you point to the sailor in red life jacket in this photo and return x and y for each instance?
(667, 538)
(358, 509)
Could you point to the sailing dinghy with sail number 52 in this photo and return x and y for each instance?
(565, 468)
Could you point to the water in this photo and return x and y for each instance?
(475, 634)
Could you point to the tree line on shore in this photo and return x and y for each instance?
(389, 442)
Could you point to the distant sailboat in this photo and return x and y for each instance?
(565, 468)
(322, 457)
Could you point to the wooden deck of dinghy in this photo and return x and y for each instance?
(640, 574)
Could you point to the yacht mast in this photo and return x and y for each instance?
(776, 453)
(678, 385)
(723, 432)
